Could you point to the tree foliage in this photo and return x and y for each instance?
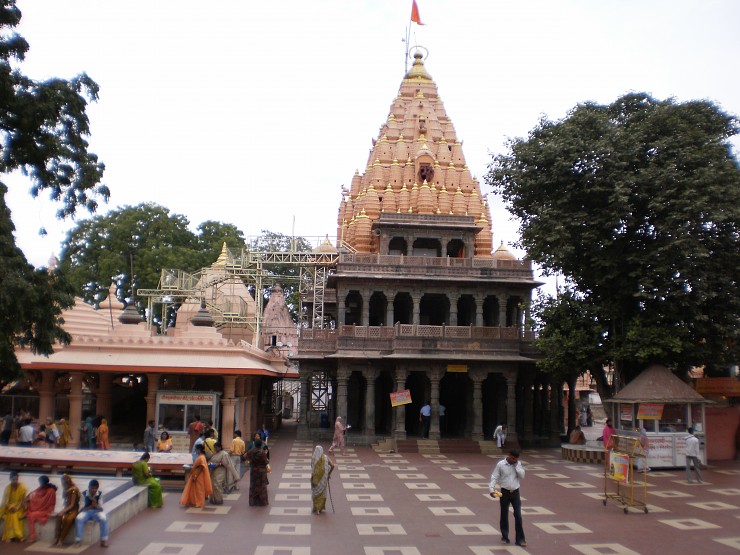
(139, 241)
(636, 203)
(43, 130)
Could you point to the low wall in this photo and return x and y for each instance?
(589, 454)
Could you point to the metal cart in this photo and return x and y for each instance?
(623, 482)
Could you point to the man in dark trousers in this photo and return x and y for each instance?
(507, 475)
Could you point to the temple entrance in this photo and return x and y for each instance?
(355, 402)
(384, 386)
(494, 403)
(418, 384)
(456, 394)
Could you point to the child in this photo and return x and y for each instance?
(92, 510)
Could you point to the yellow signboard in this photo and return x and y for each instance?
(399, 398)
(457, 367)
(650, 411)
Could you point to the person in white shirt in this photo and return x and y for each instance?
(692, 456)
(425, 417)
(507, 475)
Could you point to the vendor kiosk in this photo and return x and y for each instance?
(176, 409)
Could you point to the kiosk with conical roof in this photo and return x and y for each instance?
(420, 302)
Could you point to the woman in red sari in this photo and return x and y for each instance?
(199, 485)
(258, 475)
(41, 503)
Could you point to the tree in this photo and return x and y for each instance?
(636, 204)
(138, 241)
(43, 130)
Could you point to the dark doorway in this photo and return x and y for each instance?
(418, 384)
(454, 393)
(383, 410)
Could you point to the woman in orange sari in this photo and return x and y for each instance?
(65, 434)
(199, 485)
(41, 503)
(66, 516)
(102, 435)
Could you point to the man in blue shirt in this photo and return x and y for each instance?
(92, 510)
(425, 417)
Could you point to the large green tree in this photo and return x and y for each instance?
(43, 130)
(636, 203)
(131, 246)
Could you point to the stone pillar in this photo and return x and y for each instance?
(435, 376)
(479, 309)
(343, 374)
(365, 318)
(152, 381)
(228, 402)
(340, 310)
(370, 375)
(399, 431)
(477, 376)
(453, 309)
(528, 407)
(46, 395)
(240, 399)
(502, 302)
(389, 309)
(75, 407)
(103, 404)
(305, 404)
(511, 435)
(416, 302)
(556, 423)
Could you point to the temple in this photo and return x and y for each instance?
(420, 301)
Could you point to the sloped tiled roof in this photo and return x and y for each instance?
(659, 385)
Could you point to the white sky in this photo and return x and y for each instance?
(254, 113)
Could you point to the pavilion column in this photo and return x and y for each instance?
(477, 376)
(435, 376)
(453, 310)
(399, 431)
(416, 308)
(479, 310)
(152, 382)
(75, 406)
(511, 434)
(389, 309)
(503, 301)
(240, 402)
(556, 423)
(528, 413)
(252, 413)
(228, 402)
(343, 374)
(305, 378)
(370, 375)
(365, 318)
(340, 310)
(46, 395)
(104, 395)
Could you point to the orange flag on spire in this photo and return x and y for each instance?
(415, 13)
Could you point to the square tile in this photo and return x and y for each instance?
(726, 491)
(603, 549)
(535, 467)
(352, 467)
(729, 472)
(451, 511)
(46, 547)
(498, 550)
(273, 528)
(575, 485)
(292, 497)
(689, 524)
(402, 550)
(290, 511)
(421, 485)
(562, 528)
(585, 467)
(191, 526)
(358, 485)
(434, 456)
(158, 548)
(371, 511)
(477, 485)
(729, 542)
(551, 476)
(471, 476)
(210, 510)
(274, 550)
(434, 497)
(530, 510)
(456, 468)
(442, 461)
(412, 476)
(402, 468)
(670, 494)
(354, 476)
(296, 476)
(380, 530)
(296, 466)
(713, 506)
(390, 455)
(472, 529)
(364, 497)
(294, 485)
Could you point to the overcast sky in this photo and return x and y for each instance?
(256, 113)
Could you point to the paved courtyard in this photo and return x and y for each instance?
(412, 504)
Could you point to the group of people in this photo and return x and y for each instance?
(18, 505)
(47, 435)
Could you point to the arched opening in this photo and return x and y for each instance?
(456, 394)
(384, 386)
(466, 310)
(398, 246)
(490, 311)
(418, 385)
(456, 249)
(434, 309)
(378, 305)
(493, 390)
(513, 312)
(403, 309)
(427, 247)
(355, 401)
(353, 309)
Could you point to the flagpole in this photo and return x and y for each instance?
(406, 56)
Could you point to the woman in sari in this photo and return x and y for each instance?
(41, 503)
(65, 434)
(257, 475)
(101, 436)
(339, 432)
(13, 509)
(321, 469)
(223, 474)
(142, 476)
(164, 443)
(199, 485)
(66, 517)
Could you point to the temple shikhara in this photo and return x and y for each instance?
(413, 298)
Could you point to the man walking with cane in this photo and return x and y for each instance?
(507, 475)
